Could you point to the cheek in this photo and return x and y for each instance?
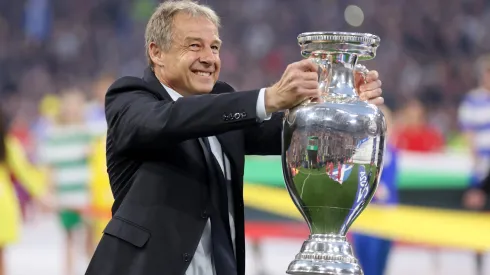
(218, 62)
(189, 62)
(218, 67)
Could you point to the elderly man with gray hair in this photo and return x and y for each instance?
(176, 145)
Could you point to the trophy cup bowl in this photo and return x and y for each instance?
(332, 152)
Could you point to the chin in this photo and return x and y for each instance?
(204, 89)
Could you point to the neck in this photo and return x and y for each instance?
(160, 75)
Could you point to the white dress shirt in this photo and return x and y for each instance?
(202, 261)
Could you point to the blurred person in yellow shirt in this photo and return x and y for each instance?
(49, 109)
(100, 191)
(13, 161)
(101, 194)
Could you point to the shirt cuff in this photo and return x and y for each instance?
(261, 113)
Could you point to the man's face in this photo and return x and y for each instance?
(192, 64)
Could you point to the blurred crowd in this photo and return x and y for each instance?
(426, 58)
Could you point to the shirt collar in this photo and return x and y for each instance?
(173, 94)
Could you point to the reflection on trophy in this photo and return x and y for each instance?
(342, 140)
(312, 150)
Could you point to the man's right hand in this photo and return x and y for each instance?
(299, 82)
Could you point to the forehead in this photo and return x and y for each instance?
(185, 25)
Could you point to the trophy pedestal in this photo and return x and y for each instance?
(325, 255)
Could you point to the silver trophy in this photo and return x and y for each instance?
(332, 151)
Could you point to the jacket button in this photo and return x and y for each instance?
(204, 214)
(186, 257)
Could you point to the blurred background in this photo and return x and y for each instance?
(58, 57)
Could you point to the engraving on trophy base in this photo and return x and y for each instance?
(325, 255)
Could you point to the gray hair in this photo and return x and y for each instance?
(159, 27)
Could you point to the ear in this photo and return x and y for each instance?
(156, 54)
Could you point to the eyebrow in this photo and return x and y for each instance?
(191, 38)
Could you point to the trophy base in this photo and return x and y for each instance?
(325, 255)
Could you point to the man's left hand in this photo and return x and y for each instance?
(370, 87)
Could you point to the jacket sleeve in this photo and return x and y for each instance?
(265, 138)
(139, 122)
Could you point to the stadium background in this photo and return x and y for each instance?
(426, 62)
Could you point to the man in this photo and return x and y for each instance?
(476, 198)
(64, 149)
(373, 252)
(474, 118)
(176, 143)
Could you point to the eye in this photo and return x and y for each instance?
(194, 46)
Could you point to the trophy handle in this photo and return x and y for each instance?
(324, 72)
(324, 77)
(360, 74)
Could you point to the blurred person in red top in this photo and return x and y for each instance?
(413, 133)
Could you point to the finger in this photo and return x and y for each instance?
(359, 78)
(315, 92)
(371, 94)
(307, 94)
(372, 76)
(370, 86)
(307, 65)
(318, 99)
(311, 76)
(377, 101)
(310, 84)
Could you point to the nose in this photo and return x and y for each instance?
(207, 57)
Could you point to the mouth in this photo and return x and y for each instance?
(202, 73)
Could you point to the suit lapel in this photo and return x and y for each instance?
(226, 142)
(155, 84)
(192, 148)
(195, 151)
